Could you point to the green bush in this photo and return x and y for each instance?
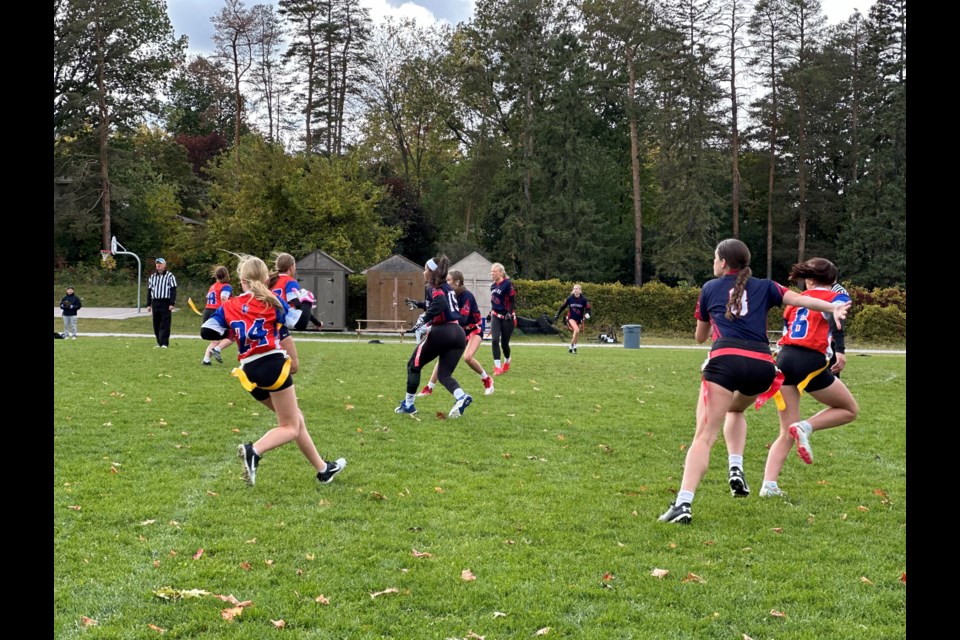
(874, 323)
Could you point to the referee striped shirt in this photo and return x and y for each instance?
(163, 286)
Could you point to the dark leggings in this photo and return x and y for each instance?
(500, 330)
(304, 321)
(445, 342)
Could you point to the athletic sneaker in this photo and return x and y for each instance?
(738, 484)
(73, 337)
(460, 406)
(426, 391)
(498, 371)
(770, 492)
(569, 349)
(206, 363)
(506, 366)
(800, 434)
(333, 468)
(487, 386)
(574, 351)
(405, 408)
(250, 462)
(677, 514)
(216, 355)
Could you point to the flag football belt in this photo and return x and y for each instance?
(502, 316)
(803, 384)
(772, 392)
(250, 386)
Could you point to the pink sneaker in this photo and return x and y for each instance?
(506, 366)
(426, 391)
(497, 371)
(487, 386)
(800, 435)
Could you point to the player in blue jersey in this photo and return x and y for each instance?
(470, 319)
(503, 316)
(219, 292)
(256, 319)
(579, 310)
(739, 370)
(445, 339)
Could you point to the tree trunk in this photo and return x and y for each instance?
(104, 139)
(735, 137)
(635, 173)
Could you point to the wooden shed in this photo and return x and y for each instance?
(476, 277)
(326, 277)
(388, 283)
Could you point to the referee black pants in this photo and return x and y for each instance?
(161, 321)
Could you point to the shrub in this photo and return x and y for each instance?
(874, 323)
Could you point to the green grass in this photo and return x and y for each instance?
(541, 490)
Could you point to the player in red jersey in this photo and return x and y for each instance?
(804, 359)
(218, 293)
(255, 319)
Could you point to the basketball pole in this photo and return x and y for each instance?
(118, 249)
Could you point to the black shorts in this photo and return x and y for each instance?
(797, 363)
(749, 375)
(264, 372)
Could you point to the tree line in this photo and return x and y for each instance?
(595, 140)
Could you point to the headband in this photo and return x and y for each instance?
(431, 265)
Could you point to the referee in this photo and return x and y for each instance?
(161, 298)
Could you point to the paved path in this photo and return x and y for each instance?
(116, 313)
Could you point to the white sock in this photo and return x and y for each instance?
(684, 496)
(770, 484)
(496, 363)
(411, 397)
(458, 393)
(806, 426)
(431, 385)
(483, 375)
(735, 461)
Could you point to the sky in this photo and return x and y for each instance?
(192, 17)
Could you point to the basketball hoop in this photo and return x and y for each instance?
(107, 260)
(105, 254)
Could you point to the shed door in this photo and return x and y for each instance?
(329, 301)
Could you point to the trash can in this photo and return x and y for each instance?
(631, 336)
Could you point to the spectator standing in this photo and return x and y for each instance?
(70, 304)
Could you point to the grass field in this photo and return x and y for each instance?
(546, 492)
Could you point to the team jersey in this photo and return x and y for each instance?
(443, 306)
(810, 329)
(254, 324)
(578, 307)
(759, 296)
(503, 297)
(218, 293)
(287, 289)
(469, 311)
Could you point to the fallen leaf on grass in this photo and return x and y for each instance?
(157, 629)
(682, 447)
(113, 470)
(672, 545)
(213, 494)
(608, 577)
(709, 543)
(499, 614)
(420, 554)
(777, 614)
(348, 406)
(231, 613)
(438, 489)
(467, 575)
(903, 577)
(746, 637)
(269, 563)
(880, 492)
(156, 564)
(777, 529)
(441, 415)
(75, 507)
(843, 516)
(232, 599)
(542, 632)
(169, 593)
(692, 577)
(88, 622)
(865, 580)
(659, 573)
(378, 495)
(385, 591)
(245, 566)
(473, 636)
(279, 624)
(199, 553)
(862, 508)
(146, 522)
(235, 430)
(606, 448)
(321, 599)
